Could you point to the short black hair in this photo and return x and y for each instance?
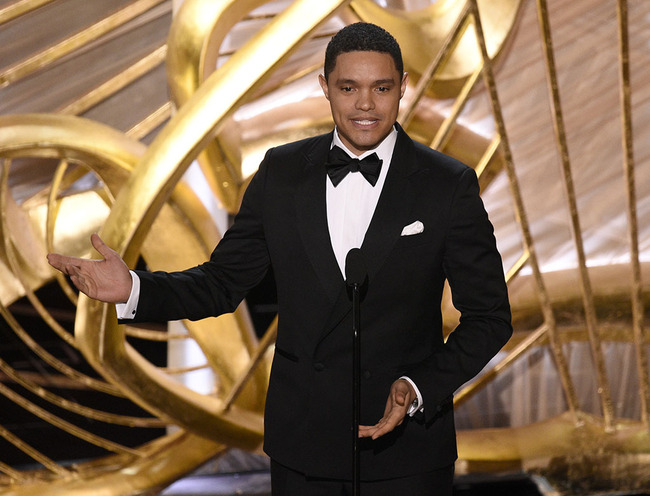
(362, 37)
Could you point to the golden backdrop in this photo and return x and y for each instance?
(543, 99)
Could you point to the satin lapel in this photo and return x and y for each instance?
(311, 212)
(395, 203)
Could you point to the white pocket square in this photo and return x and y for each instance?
(416, 228)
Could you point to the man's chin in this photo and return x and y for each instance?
(365, 142)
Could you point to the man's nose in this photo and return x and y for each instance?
(365, 100)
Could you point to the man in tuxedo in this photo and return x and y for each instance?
(418, 219)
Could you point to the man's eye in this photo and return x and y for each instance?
(383, 89)
(346, 88)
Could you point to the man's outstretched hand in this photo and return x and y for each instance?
(105, 280)
(399, 401)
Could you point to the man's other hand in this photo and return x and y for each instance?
(105, 280)
(399, 401)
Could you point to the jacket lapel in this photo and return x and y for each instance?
(311, 212)
(395, 203)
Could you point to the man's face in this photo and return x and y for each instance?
(364, 91)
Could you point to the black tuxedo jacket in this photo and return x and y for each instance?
(283, 223)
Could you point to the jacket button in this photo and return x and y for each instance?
(319, 366)
(367, 374)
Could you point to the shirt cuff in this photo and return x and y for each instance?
(126, 311)
(418, 403)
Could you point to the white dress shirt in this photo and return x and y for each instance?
(351, 204)
(350, 207)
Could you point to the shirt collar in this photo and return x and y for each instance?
(384, 150)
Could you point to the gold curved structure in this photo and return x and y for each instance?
(424, 31)
(200, 28)
(112, 157)
(233, 89)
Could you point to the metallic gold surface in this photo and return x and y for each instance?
(122, 474)
(139, 202)
(443, 134)
(58, 422)
(143, 128)
(585, 282)
(115, 84)
(55, 52)
(197, 34)
(437, 63)
(37, 456)
(19, 8)
(142, 207)
(421, 34)
(633, 224)
(514, 353)
(60, 402)
(112, 155)
(549, 317)
(533, 446)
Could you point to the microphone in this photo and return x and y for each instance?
(356, 272)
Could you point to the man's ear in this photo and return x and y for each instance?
(405, 82)
(323, 85)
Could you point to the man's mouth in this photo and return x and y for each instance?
(364, 122)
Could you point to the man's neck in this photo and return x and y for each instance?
(382, 149)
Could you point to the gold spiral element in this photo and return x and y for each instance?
(112, 157)
(145, 211)
(138, 205)
(423, 32)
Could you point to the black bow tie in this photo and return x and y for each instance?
(339, 163)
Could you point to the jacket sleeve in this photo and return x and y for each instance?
(474, 270)
(237, 264)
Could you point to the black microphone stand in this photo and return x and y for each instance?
(356, 382)
(356, 275)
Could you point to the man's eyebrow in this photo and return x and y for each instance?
(385, 81)
(346, 81)
(377, 82)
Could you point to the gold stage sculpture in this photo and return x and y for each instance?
(567, 400)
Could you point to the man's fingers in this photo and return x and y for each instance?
(63, 263)
(56, 261)
(376, 431)
(77, 279)
(100, 246)
(394, 413)
(373, 431)
(385, 425)
(366, 430)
